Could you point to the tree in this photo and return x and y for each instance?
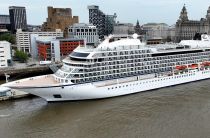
(20, 55)
(8, 37)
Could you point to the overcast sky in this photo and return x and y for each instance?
(166, 11)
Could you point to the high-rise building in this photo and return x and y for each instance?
(97, 18)
(104, 23)
(59, 18)
(17, 18)
(186, 29)
(88, 32)
(110, 21)
(5, 54)
(5, 22)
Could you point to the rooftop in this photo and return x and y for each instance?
(93, 7)
(4, 19)
(83, 25)
(16, 7)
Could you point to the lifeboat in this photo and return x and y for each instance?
(193, 66)
(181, 67)
(206, 63)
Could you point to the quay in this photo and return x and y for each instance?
(28, 71)
(7, 94)
(18, 71)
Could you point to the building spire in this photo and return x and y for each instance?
(137, 23)
(208, 13)
(138, 28)
(183, 15)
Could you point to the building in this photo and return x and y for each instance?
(26, 40)
(34, 28)
(5, 23)
(156, 30)
(56, 49)
(186, 29)
(138, 29)
(17, 18)
(5, 54)
(88, 32)
(123, 28)
(104, 23)
(97, 18)
(171, 33)
(110, 21)
(59, 18)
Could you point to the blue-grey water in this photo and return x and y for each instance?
(175, 112)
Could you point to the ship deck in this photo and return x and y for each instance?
(39, 81)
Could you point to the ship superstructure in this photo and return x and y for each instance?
(129, 57)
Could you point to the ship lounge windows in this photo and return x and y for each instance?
(77, 59)
(77, 54)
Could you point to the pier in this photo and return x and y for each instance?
(27, 71)
(24, 71)
(12, 94)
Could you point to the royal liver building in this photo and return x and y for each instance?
(186, 29)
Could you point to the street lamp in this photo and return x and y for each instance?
(6, 76)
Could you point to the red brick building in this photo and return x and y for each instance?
(56, 50)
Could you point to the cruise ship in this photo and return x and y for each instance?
(121, 66)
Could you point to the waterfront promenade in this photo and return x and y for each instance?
(27, 69)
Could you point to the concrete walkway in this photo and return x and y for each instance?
(15, 94)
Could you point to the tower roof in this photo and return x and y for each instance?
(208, 13)
(184, 9)
(183, 15)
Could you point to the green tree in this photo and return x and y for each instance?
(8, 37)
(20, 55)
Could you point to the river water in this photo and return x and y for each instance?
(181, 111)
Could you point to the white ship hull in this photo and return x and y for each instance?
(97, 90)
